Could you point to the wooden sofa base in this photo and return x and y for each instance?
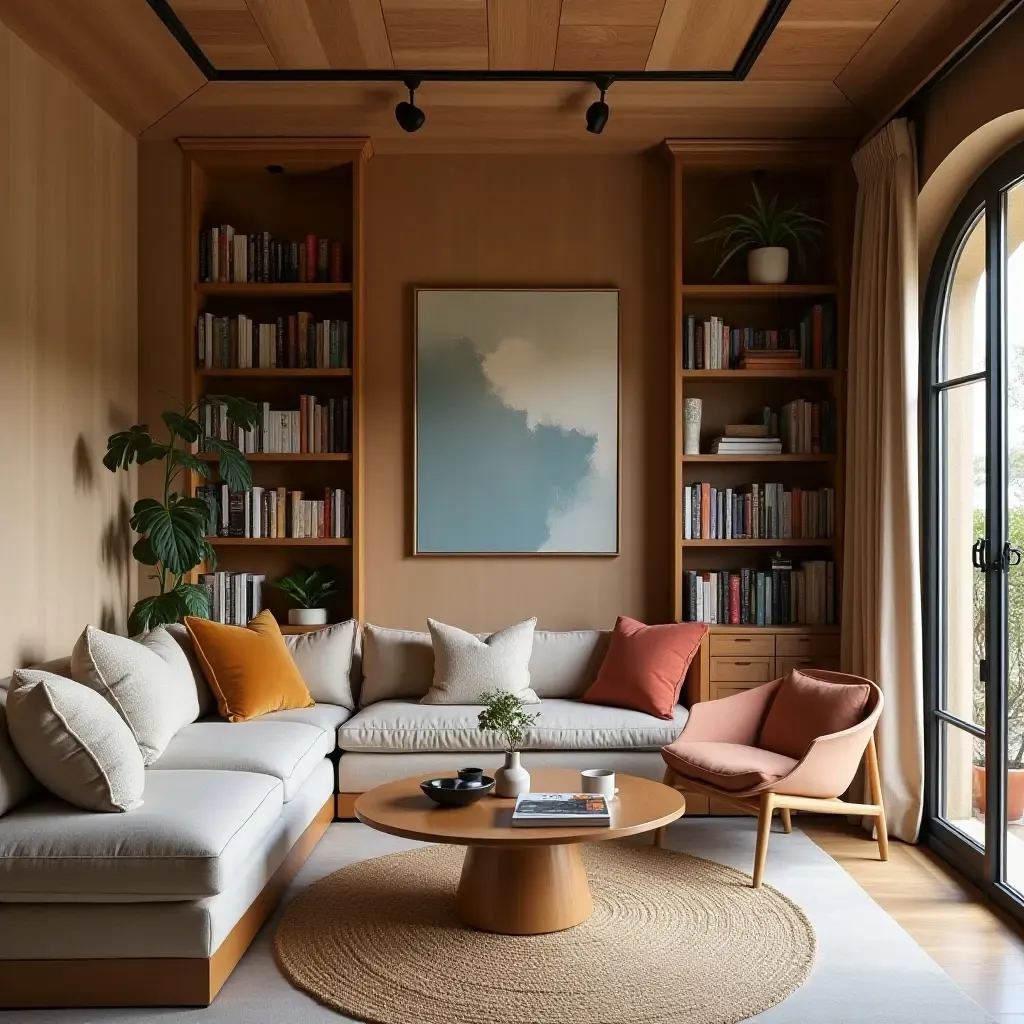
(345, 806)
(154, 981)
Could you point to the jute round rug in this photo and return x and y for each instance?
(673, 939)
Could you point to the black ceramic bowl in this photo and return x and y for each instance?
(455, 792)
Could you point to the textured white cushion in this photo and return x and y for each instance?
(16, 781)
(561, 725)
(74, 742)
(148, 682)
(195, 834)
(398, 664)
(324, 716)
(466, 668)
(288, 751)
(207, 701)
(324, 658)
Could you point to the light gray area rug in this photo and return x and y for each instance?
(868, 970)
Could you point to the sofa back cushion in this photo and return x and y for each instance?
(806, 707)
(16, 781)
(325, 660)
(398, 664)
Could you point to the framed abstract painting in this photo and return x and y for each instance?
(517, 422)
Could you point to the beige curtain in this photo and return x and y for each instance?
(882, 579)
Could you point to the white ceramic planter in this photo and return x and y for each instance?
(307, 617)
(691, 431)
(769, 265)
(511, 779)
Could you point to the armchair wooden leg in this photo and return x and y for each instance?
(669, 779)
(787, 821)
(875, 786)
(764, 828)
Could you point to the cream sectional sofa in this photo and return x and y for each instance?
(156, 906)
(392, 735)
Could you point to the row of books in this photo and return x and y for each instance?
(757, 511)
(226, 256)
(711, 344)
(297, 341)
(781, 596)
(235, 597)
(277, 512)
(805, 427)
(316, 427)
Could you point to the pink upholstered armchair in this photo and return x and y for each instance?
(792, 744)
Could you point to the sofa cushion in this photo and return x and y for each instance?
(288, 751)
(325, 658)
(729, 766)
(148, 682)
(207, 701)
(467, 667)
(16, 781)
(195, 834)
(249, 668)
(806, 707)
(646, 665)
(398, 664)
(74, 742)
(324, 716)
(561, 725)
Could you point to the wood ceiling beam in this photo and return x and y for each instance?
(703, 35)
(290, 33)
(522, 36)
(118, 52)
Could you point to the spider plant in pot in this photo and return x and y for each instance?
(503, 713)
(768, 233)
(308, 590)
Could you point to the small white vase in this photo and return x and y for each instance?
(511, 779)
(769, 265)
(691, 429)
(307, 616)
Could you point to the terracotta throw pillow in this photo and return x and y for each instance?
(645, 666)
(249, 668)
(807, 707)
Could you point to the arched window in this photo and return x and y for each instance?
(973, 385)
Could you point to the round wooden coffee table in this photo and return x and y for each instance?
(518, 881)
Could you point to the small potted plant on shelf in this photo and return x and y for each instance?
(768, 233)
(503, 713)
(308, 590)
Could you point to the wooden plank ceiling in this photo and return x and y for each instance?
(831, 67)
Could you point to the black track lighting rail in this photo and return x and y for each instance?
(770, 17)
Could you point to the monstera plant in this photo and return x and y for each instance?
(173, 531)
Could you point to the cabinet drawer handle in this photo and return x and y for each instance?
(742, 663)
(741, 639)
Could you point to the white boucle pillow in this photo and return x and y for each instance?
(466, 667)
(324, 660)
(16, 782)
(74, 742)
(148, 682)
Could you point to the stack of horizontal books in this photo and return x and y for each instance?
(772, 359)
(746, 439)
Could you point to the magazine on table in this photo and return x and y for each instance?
(561, 809)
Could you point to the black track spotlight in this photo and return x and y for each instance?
(597, 112)
(409, 117)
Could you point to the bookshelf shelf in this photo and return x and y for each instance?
(757, 291)
(759, 458)
(709, 180)
(738, 376)
(289, 289)
(317, 197)
(778, 542)
(281, 542)
(286, 457)
(277, 372)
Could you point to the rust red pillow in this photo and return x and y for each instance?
(645, 666)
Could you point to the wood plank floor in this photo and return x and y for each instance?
(979, 948)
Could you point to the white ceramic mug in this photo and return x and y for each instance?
(599, 780)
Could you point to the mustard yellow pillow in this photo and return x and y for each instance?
(249, 668)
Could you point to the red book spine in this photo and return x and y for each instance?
(705, 510)
(311, 258)
(336, 261)
(734, 599)
(817, 314)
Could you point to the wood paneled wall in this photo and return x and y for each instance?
(518, 220)
(68, 339)
(536, 220)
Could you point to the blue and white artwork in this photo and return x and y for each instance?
(517, 421)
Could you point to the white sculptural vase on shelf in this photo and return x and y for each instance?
(691, 426)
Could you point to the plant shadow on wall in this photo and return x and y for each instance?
(173, 529)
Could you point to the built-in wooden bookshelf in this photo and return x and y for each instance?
(709, 180)
(291, 188)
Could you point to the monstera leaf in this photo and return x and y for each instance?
(172, 606)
